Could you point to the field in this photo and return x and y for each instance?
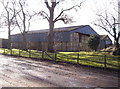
(95, 59)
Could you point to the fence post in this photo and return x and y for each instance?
(29, 53)
(4, 50)
(105, 62)
(55, 55)
(43, 54)
(78, 58)
(10, 51)
(19, 52)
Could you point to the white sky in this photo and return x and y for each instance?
(83, 17)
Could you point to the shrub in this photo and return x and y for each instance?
(93, 42)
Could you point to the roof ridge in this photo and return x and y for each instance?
(59, 28)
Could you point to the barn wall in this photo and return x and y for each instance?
(77, 42)
(83, 44)
(105, 42)
(41, 37)
(39, 40)
(3, 43)
(16, 38)
(0, 43)
(62, 37)
(101, 45)
(37, 37)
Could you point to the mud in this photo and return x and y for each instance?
(21, 72)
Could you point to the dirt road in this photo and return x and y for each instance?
(19, 72)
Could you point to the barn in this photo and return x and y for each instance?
(72, 38)
(105, 42)
(3, 43)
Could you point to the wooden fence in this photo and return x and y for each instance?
(103, 61)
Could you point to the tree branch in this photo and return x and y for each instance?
(108, 23)
(30, 17)
(118, 35)
(18, 25)
(57, 18)
(5, 6)
(46, 2)
(44, 14)
(104, 29)
(65, 18)
(59, 1)
(14, 12)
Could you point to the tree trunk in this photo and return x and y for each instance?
(24, 32)
(117, 47)
(117, 43)
(51, 32)
(9, 38)
(9, 31)
(116, 38)
(24, 46)
(51, 39)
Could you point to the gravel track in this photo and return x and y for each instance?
(21, 72)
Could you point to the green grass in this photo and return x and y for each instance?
(85, 58)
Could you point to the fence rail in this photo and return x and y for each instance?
(104, 61)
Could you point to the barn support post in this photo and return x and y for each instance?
(62, 46)
(66, 46)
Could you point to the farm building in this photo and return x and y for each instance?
(65, 39)
(105, 41)
(3, 43)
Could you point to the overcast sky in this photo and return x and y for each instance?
(85, 16)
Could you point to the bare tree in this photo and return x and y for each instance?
(108, 21)
(23, 20)
(9, 15)
(116, 35)
(50, 16)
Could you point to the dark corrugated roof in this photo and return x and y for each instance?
(61, 29)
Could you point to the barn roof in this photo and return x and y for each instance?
(102, 37)
(61, 29)
(61, 34)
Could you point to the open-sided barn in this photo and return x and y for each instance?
(72, 38)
